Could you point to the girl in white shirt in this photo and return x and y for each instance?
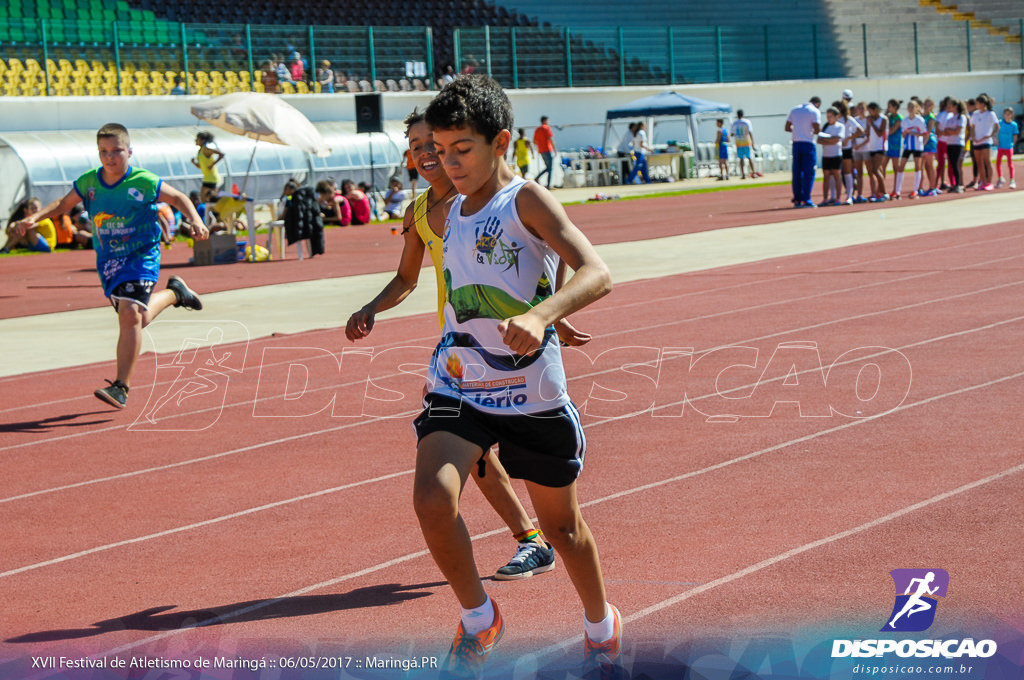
(861, 155)
(877, 127)
(852, 130)
(831, 139)
(915, 132)
(984, 126)
(952, 131)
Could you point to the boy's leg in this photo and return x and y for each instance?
(496, 487)
(443, 462)
(562, 522)
(533, 555)
(130, 320)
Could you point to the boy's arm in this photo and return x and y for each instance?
(61, 206)
(545, 217)
(568, 334)
(172, 196)
(404, 282)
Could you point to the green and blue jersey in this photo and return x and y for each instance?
(125, 230)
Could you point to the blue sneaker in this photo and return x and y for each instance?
(529, 559)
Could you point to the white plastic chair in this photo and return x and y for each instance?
(767, 159)
(781, 157)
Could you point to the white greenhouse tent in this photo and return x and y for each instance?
(44, 164)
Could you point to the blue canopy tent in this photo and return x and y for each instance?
(666, 104)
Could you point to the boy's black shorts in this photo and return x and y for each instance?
(138, 292)
(546, 448)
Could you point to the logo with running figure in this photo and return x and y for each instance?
(917, 593)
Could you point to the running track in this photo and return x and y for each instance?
(256, 522)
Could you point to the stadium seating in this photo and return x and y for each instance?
(657, 43)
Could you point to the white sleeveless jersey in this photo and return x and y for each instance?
(495, 269)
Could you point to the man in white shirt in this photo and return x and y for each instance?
(804, 122)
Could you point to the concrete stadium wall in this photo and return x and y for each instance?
(577, 113)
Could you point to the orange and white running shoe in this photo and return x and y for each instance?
(600, 660)
(469, 652)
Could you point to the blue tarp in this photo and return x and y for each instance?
(667, 104)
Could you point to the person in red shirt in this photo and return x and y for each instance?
(544, 140)
(359, 202)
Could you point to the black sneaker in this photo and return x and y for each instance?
(116, 394)
(529, 559)
(186, 297)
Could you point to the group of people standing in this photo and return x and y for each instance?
(860, 140)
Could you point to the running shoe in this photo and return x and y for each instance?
(1000, 182)
(958, 189)
(530, 559)
(987, 187)
(894, 196)
(185, 296)
(848, 201)
(912, 194)
(1013, 184)
(115, 394)
(601, 659)
(973, 182)
(469, 652)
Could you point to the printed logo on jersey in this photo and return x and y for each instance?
(917, 593)
(136, 194)
(491, 249)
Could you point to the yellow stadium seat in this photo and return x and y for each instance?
(258, 87)
(15, 65)
(301, 87)
(287, 88)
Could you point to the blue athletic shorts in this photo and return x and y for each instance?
(742, 152)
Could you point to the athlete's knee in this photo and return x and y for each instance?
(569, 534)
(433, 501)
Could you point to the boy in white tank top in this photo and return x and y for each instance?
(496, 375)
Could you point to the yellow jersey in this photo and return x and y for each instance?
(434, 245)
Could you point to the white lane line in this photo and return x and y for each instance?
(360, 423)
(620, 494)
(664, 603)
(766, 305)
(764, 564)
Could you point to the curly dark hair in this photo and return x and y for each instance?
(473, 101)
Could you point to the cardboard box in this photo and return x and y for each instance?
(218, 249)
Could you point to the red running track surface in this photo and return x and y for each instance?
(837, 415)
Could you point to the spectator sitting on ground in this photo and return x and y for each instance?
(81, 228)
(358, 201)
(368, 190)
(42, 238)
(394, 199)
(333, 205)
